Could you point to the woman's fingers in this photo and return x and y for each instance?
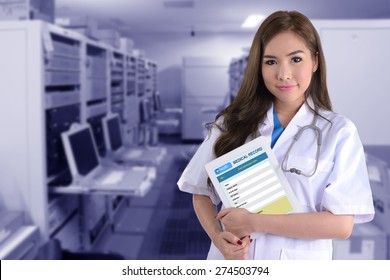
(223, 213)
(232, 247)
(232, 239)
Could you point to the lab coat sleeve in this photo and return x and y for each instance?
(348, 190)
(194, 177)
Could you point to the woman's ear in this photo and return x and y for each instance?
(315, 60)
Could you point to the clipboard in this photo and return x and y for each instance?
(250, 177)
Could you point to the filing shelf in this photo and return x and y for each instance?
(118, 84)
(59, 77)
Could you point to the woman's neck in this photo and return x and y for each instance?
(286, 111)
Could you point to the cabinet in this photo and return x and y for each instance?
(50, 78)
(40, 85)
(205, 87)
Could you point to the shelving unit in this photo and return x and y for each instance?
(131, 117)
(118, 85)
(56, 77)
(236, 73)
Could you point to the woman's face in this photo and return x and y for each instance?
(288, 67)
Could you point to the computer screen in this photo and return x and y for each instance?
(96, 125)
(114, 133)
(84, 153)
(144, 111)
(157, 102)
(148, 108)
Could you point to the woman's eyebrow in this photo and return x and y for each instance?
(295, 52)
(289, 54)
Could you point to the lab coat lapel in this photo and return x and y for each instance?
(266, 128)
(303, 117)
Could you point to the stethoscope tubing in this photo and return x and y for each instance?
(318, 131)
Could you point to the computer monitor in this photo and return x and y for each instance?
(157, 106)
(146, 110)
(113, 132)
(95, 123)
(143, 112)
(377, 174)
(80, 149)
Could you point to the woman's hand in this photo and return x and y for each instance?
(231, 247)
(236, 221)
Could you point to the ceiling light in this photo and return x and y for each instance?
(252, 21)
(179, 4)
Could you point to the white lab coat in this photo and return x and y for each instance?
(340, 184)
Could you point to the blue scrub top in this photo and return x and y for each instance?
(278, 129)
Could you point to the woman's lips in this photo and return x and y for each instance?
(286, 87)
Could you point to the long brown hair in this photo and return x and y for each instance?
(242, 117)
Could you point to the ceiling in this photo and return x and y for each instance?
(145, 16)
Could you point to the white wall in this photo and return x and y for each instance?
(169, 49)
(357, 63)
(358, 68)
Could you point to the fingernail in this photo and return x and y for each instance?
(239, 242)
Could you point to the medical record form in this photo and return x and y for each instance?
(250, 177)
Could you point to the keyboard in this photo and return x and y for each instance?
(112, 178)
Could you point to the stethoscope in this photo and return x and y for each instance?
(318, 132)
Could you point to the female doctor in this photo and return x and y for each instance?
(283, 94)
